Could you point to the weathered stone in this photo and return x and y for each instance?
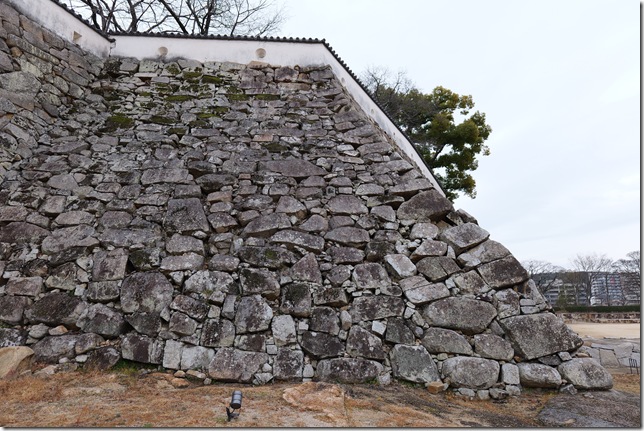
(437, 268)
(222, 222)
(493, 347)
(425, 206)
(267, 225)
(510, 374)
(71, 218)
(190, 306)
(307, 270)
(109, 265)
(57, 309)
(185, 215)
(182, 324)
(485, 252)
(348, 370)
(463, 237)
(223, 262)
(293, 238)
(140, 348)
(423, 231)
(503, 272)
(439, 340)
(218, 333)
(145, 323)
(347, 204)
(171, 175)
(324, 319)
(291, 206)
(346, 255)
(102, 358)
(213, 285)
(296, 168)
(411, 187)
(351, 236)
(296, 299)
(87, 342)
(429, 248)
(272, 257)
(12, 337)
(376, 307)
(12, 309)
(315, 223)
(22, 233)
(469, 316)
(321, 345)
(232, 365)
(473, 373)
(178, 244)
(413, 363)
(538, 375)
(586, 373)
(400, 266)
(370, 276)
(129, 238)
(419, 291)
(145, 292)
(24, 286)
(63, 277)
(253, 315)
(398, 332)
(102, 320)
(363, 343)
(288, 364)
(14, 360)
(51, 349)
(214, 182)
(333, 296)
(536, 335)
(196, 358)
(65, 238)
(470, 283)
(507, 303)
(262, 281)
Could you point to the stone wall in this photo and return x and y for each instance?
(252, 223)
(40, 75)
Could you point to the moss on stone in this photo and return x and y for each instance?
(177, 131)
(275, 147)
(179, 98)
(267, 96)
(238, 97)
(198, 123)
(210, 79)
(173, 69)
(158, 119)
(117, 121)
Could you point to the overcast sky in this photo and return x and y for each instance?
(559, 82)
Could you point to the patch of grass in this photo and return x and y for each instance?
(129, 368)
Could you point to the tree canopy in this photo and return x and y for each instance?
(191, 17)
(440, 124)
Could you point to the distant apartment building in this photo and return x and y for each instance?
(583, 288)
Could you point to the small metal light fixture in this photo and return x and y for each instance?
(235, 404)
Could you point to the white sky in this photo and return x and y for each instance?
(559, 82)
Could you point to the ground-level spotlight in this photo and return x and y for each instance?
(235, 404)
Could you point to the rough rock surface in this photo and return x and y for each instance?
(248, 219)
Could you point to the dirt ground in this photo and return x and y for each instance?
(601, 330)
(79, 399)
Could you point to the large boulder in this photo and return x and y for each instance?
(363, 343)
(288, 364)
(145, 292)
(464, 236)
(370, 276)
(535, 375)
(185, 215)
(503, 272)
(492, 346)
(140, 348)
(470, 316)
(14, 360)
(259, 281)
(376, 307)
(439, 340)
(57, 308)
(102, 320)
(51, 349)
(537, 335)
(321, 345)
(473, 373)
(348, 370)
(253, 315)
(425, 206)
(232, 365)
(419, 291)
(413, 363)
(586, 373)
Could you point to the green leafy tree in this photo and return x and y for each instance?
(441, 125)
